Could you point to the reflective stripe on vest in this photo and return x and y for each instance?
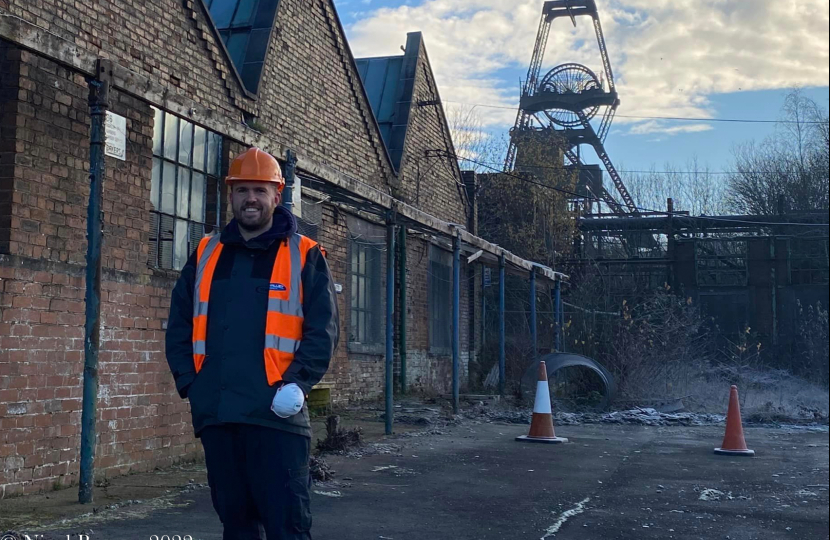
(207, 256)
(284, 318)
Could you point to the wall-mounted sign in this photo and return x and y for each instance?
(116, 131)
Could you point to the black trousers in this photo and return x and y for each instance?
(259, 476)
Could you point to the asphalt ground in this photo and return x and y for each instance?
(475, 482)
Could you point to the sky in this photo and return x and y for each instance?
(701, 59)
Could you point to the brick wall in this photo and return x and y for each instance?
(429, 181)
(312, 98)
(167, 40)
(141, 421)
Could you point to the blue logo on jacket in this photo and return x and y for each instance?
(277, 287)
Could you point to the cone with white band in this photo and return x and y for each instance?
(541, 424)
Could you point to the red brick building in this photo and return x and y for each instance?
(191, 83)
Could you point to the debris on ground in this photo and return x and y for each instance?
(338, 439)
(636, 416)
(335, 493)
(415, 416)
(320, 470)
(375, 449)
(641, 416)
(710, 494)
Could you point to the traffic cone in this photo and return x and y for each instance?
(733, 441)
(541, 424)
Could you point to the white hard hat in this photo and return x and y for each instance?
(288, 401)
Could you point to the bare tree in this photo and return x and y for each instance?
(476, 148)
(694, 188)
(791, 166)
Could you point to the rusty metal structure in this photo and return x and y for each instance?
(561, 105)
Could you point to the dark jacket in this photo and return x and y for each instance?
(232, 386)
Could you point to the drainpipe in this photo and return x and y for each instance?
(501, 325)
(98, 104)
(390, 321)
(402, 307)
(289, 174)
(456, 316)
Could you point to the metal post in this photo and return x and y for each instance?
(533, 329)
(557, 307)
(670, 245)
(483, 313)
(390, 321)
(562, 324)
(402, 306)
(98, 104)
(773, 290)
(288, 189)
(501, 326)
(456, 316)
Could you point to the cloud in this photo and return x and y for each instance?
(657, 126)
(668, 56)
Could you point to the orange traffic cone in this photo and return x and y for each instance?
(541, 424)
(733, 441)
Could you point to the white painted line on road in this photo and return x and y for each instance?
(566, 515)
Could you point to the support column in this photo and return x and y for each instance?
(557, 307)
(533, 325)
(390, 322)
(456, 317)
(501, 325)
(402, 305)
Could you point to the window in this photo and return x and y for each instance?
(808, 261)
(721, 263)
(245, 28)
(185, 169)
(366, 292)
(440, 299)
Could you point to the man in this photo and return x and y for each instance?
(253, 325)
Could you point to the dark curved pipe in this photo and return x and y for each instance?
(556, 361)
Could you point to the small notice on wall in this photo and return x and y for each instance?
(116, 130)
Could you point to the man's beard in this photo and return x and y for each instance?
(264, 217)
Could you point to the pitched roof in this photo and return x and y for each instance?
(245, 28)
(389, 83)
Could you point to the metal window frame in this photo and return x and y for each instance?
(209, 175)
(794, 255)
(373, 333)
(440, 302)
(701, 268)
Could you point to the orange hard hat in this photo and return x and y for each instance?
(255, 165)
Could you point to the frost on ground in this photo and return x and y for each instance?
(638, 416)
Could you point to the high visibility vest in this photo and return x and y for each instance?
(284, 320)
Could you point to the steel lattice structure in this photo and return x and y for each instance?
(567, 98)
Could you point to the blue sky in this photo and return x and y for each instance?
(691, 58)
